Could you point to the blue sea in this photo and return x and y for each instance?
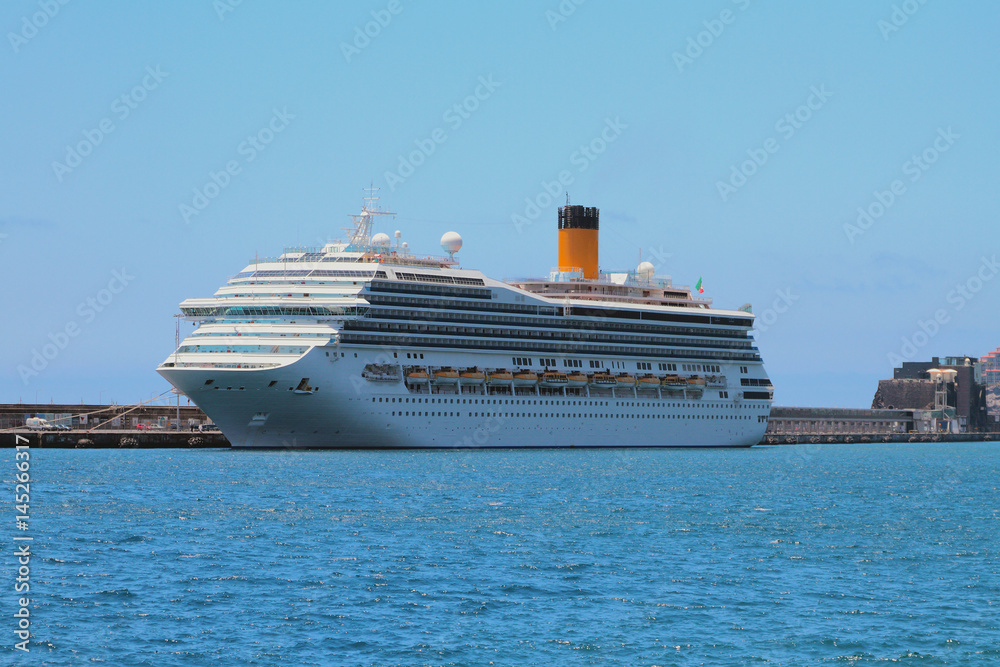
(791, 555)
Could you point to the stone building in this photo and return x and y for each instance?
(947, 389)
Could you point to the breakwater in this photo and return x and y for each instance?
(113, 439)
(849, 438)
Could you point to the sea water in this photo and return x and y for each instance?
(788, 555)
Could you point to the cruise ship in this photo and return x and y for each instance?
(361, 344)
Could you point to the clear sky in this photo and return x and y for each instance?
(148, 150)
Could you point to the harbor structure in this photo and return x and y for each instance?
(990, 379)
(85, 417)
(948, 387)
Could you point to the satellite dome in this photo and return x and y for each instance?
(645, 270)
(381, 240)
(451, 242)
(398, 234)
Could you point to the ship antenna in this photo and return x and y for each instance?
(361, 234)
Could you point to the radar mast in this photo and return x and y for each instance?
(361, 234)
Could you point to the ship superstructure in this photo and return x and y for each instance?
(361, 344)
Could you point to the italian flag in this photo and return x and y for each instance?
(698, 286)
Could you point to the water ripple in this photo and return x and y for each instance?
(772, 556)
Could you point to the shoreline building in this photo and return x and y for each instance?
(946, 393)
(959, 394)
(990, 379)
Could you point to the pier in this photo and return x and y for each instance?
(107, 426)
(850, 438)
(113, 439)
(795, 425)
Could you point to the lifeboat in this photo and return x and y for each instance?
(500, 376)
(716, 381)
(525, 378)
(554, 379)
(605, 380)
(381, 373)
(472, 376)
(648, 382)
(417, 377)
(674, 382)
(445, 375)
(625, 381)
(696, 382)
(576, 380)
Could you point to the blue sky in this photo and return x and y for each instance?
(733, 140)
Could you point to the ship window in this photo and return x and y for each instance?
(270, 384)
(208, 382)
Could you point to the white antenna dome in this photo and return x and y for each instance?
(397, 233)
(381, 240)
(406, 246)
(645, 270)
(451, 242)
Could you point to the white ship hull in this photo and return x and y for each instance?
(343, 409)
